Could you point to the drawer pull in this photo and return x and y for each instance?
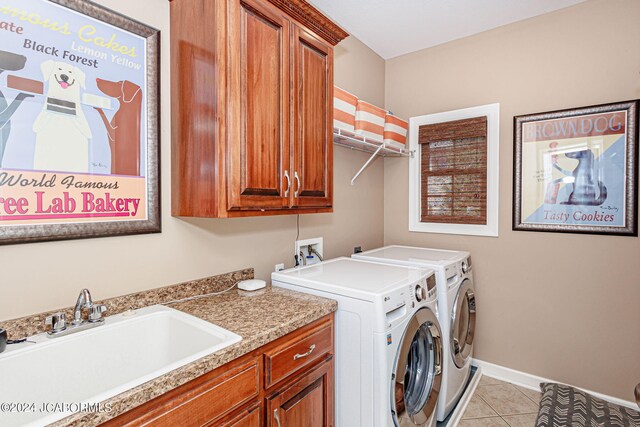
(300, 356)
(275, 415)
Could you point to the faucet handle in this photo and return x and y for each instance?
(95, 313)
(57, 321)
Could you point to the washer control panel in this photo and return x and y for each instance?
(395, 307)
(451, 271)
(466, 265)
(394, 301)
(425, 290)
(431, 283)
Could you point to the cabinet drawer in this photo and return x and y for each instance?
(284, 360)
(222, 397)
(198, 404)
(250, 417)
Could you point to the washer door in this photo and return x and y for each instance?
(463, 323)
(415, 382)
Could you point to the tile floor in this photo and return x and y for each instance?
(497, 403)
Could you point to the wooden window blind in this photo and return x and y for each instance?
(454, 171)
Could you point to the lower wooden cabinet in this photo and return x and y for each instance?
(289, 382)
(307, 402)
(248, 417)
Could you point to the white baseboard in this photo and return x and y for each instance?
(533, 382)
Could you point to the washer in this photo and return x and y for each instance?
(388, 341)
(457, 309)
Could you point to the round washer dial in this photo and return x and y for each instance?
(465, 267)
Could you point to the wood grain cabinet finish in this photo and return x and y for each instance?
(313, 128)
(281, 380)
(259, 156)
(307, 402)
(249, 417)
(252, 84)
(199, 402)
(291, 356)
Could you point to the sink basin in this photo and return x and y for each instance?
(56, 377)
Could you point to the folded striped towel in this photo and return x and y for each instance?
(344, 109)
(395, 131)
(370, 120)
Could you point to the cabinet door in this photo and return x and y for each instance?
(307, 402)
(249, 417)
(313, 120)
(258, 120)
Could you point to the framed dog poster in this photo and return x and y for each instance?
(79, 122)
(575, 170)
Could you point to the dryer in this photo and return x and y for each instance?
(456, 306)
(388, 341)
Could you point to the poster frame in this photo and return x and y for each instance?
(629, 228)
(25, 233)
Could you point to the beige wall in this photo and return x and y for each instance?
(360, 71)
(41, 276)
(562, 306)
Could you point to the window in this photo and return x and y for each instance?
(454, 174)
(454, 171)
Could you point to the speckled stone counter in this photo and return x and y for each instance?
(258, 317)
(34, 324)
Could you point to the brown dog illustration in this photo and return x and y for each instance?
(124, 128)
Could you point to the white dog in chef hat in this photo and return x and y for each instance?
(62, 131)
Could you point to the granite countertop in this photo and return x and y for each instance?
(259, 317)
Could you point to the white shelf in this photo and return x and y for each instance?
(352, 141)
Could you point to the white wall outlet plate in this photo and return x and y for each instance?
(279, 267)
(251, 285)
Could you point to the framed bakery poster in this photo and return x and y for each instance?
(575, 170)
(79, 122)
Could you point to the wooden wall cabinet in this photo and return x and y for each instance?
(289, 382)
(252, 107)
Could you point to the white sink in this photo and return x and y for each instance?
(93, 365)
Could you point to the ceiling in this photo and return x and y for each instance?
(395, 27)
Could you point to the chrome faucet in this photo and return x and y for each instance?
(84, 301)
(59, 326)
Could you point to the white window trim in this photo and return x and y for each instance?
(492, 111)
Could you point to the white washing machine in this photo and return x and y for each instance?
(456, 306)
(388, 343)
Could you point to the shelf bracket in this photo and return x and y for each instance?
(368, 162)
